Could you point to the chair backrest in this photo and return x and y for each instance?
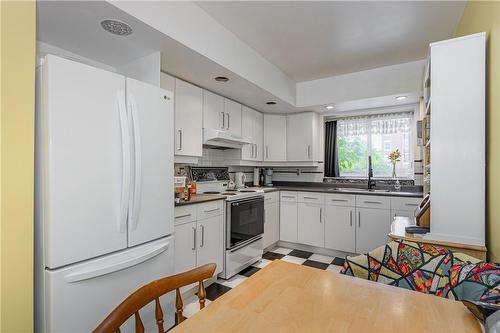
(152, 291)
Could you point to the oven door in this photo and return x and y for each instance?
(245, 220)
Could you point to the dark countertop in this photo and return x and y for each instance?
(351, 191)
(199, 198)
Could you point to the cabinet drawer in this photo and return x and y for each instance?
(373, 201)
(311, 197)
(209, 209)
(288, 196)
(405, 203)
(335, 199)
(271, 197)
(184, 214)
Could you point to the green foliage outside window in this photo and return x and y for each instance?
(353, 158)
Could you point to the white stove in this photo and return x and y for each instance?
(244, 213)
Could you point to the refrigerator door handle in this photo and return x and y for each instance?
(125, 136)
(98, 269)
(136, 203)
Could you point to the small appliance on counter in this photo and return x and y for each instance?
(239, 179)
(268, 177)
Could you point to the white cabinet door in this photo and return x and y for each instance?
(288, 221)
(274, 138)
(185, 247)
(82, 129)
(311, 229)
(340, 230)
(232, 117)
(271, 224)
(188, 119)
(299, 137)
(247, 131)
(213, 111)
(210, 242)
(151, 213)
(258, 134)
(372, 227)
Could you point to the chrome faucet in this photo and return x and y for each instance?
(371, 182)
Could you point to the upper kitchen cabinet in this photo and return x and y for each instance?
(188, 119)
(232, 117)
(213, 111)
(252, 127)
(304, 134)
(274, 138)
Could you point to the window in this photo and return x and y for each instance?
(377, 136)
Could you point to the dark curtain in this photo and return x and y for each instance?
(331, 150)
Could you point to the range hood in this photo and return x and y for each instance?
(222, 139)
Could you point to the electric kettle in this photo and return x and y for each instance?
(240, 178)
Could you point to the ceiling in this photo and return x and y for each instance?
(309, 40)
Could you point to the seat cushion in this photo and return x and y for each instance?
(410, 265)
(475, 282)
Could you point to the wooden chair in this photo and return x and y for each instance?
(152, 291)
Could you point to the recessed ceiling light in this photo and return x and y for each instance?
(400, 98)
(221, 79)
(329, 107)
(116, 27)
(271, 103)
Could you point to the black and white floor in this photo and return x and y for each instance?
(299, 257)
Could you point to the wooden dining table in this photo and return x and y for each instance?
(286, 297)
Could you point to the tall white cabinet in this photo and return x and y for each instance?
(304, 137)
(274, 138)
(457, 139)
(252, 127)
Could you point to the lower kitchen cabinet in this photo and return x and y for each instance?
(271, 219)
(310, 226)
(199, 236)
(288, 217)
(340, 230)
(185, 247)
(372, 227)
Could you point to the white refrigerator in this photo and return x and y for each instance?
(104, 193)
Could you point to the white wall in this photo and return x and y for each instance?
(383, 81)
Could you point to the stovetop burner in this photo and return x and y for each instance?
(229, 193)
(211, 192)
(247, 191)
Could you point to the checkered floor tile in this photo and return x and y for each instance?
(299, 257)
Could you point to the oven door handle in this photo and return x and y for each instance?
(250, 241)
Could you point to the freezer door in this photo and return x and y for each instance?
(84, 162)
(151, 207)
(79, 297)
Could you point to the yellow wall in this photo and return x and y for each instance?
(485, 16)
(17, 109)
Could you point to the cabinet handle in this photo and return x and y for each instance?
(350, 218)
(359, 219)
(227, 114)
(320, 214)
(373, 202)
(313, 198)
(211, 210)
(202, 236)
(194, 239)
(180, 140)
(340, 200)
(309, 151)
(288, 196)
(256, 147)
(267, 152)
(223, 120)
(181, 216)
(411, 205)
